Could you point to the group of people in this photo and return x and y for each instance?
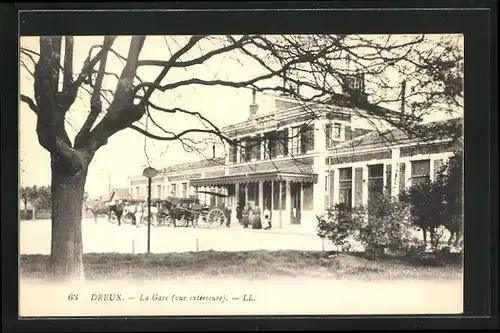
(247, 216)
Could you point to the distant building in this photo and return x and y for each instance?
(120, 194)
(297, 161)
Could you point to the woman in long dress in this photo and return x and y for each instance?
(256, 220)
(245, 217)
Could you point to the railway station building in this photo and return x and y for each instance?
(297, 160)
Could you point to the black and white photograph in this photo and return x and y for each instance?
(251, 174)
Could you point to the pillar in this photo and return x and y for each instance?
(395, 154)
(319, 135)
(288, 201)
(408, 174)
(365, 186)
(336, 185)
(235, 201)
(261, 195)
(262, 143)
(319, 187)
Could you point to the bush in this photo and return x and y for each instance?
(339, 225)
(386, 226)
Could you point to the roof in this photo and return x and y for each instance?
(444, 129)
(295, 170)
(255, 177)
(207, 163)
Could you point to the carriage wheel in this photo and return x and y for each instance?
(144, 220)
(216, 217)
(127, 219)
(169, 221)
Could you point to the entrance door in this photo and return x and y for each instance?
(296, 196)
(242, 195)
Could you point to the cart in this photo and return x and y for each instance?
(214, 215)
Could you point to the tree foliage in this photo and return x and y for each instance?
(437, 205)
(339, 225)
(38, 196)
(387, 226)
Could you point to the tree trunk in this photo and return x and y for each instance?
(68, 185)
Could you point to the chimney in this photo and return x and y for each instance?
(253, 107)
(403, 96)
(354, 86)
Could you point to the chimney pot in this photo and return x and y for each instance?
(253, 107)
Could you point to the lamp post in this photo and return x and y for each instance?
(149, 173)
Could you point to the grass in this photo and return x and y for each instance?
(250, 265)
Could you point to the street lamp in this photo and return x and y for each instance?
(149, 173)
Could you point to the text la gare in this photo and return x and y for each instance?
(155, 297)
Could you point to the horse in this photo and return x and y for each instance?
(454, 227)
(104, 209)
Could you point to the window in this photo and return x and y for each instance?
(326, 183)
(233, 154)
(272, 145)
(354, 83)
(282, 144)
(420, 171)
(345, 186)
(244, 154)
(158, 191)
(295, 144)
(375, 181)
(184, 190)
(333, 132)
(253, 149)
(438, 165)
(306, 138)
(174, 190)
(137, 192)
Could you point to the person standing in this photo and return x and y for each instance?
(239, 212)
(267, 219)
(256, 220)
(245, 216)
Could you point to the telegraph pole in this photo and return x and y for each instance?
(149, 173)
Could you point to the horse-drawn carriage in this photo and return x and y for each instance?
(177, 212)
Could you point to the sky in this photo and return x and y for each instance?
(128, 152)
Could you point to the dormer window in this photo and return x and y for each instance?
(336, 131)
(333, 133)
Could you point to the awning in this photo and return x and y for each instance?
(255, 177)
(220, 195)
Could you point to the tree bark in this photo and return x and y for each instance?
(68, 183)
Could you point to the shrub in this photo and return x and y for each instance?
(339, 225)
(386, 226)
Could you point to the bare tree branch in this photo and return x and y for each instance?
(30, 103)
(95, 100)
(192, 41)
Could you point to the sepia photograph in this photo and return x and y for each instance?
(252, 174)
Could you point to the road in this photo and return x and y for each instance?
(105, 237)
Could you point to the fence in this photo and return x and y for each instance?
(44, 214)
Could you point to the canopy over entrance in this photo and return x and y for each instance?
(217, 194)
(255, 177)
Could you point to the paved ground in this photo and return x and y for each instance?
(106, 237)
